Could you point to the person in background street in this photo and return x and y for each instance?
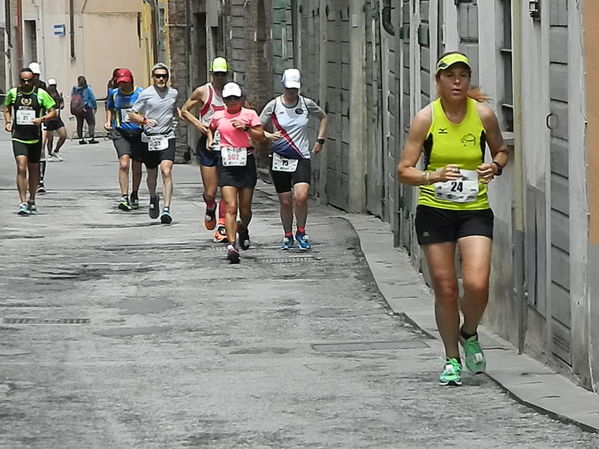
(290, 169)
(126, 136)
(156, 109)
(208, 98)
(237, 176)
(37, 72)
(112, 82)
(26, 107)
(83, 107)
(55, 125)
(37, 82)
(453, 209)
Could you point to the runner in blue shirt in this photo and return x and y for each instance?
(126, 136)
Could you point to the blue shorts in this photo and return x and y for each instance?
(205, 157)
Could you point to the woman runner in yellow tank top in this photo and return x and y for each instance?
(452, 134)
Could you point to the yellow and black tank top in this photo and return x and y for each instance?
(449, 143)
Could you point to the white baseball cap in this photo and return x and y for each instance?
(35, 68)
(231, 90)
(51, 82)
(291, 79)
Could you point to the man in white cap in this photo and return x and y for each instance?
(208, 98)
(37, 82)
(35, 68)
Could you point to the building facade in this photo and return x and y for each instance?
(369, 63)
(69, 38)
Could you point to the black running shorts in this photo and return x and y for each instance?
(152, 159)
(283, 181)
(434, 225)
(127, 143)
(33, 151)
(238, 177)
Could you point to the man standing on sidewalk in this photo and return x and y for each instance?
(24, 110)
(156, 109)
(126, 136)
(208, 98)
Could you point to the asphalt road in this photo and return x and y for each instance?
(119, 332)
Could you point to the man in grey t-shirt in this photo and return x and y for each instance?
(156, 109)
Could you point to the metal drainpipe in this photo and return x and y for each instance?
(520, 294)
(386, 16)
(72, 28)
(9, 47)
(19, 34)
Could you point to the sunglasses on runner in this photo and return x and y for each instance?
(162, 76)
(23, 80)
(232, 98)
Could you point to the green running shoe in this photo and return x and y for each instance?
(452, 374)
(473, 355)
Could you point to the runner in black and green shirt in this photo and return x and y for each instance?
(24, 110)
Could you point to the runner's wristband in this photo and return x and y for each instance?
(320, 141)
(499, 168)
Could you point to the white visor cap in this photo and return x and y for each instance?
(231, 90)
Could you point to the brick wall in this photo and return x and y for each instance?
(250, 49)
(179, 46)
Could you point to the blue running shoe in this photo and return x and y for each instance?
(287, 243)
(303, 241)
(166, 217)
(23, 209)
(32, 208)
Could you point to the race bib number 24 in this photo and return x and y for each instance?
(463, 190)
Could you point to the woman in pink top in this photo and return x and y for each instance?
(236, 169)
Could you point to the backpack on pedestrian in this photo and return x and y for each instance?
(77, 106)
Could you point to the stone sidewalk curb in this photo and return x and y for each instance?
(527, 380)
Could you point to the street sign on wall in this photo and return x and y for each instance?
(59, 30)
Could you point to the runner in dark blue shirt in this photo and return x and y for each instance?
(126, 136)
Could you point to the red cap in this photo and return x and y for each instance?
(123, 75)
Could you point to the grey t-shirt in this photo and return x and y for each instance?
(160, 106)
(292, 122)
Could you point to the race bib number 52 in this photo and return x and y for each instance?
(463, 190)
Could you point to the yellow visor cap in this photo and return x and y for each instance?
(452, 58)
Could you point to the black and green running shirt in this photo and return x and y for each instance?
(27, 106)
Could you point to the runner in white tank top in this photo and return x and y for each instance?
(208, 99)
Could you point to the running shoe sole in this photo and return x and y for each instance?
(166, 218)
(451, 383)
(125, 207)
